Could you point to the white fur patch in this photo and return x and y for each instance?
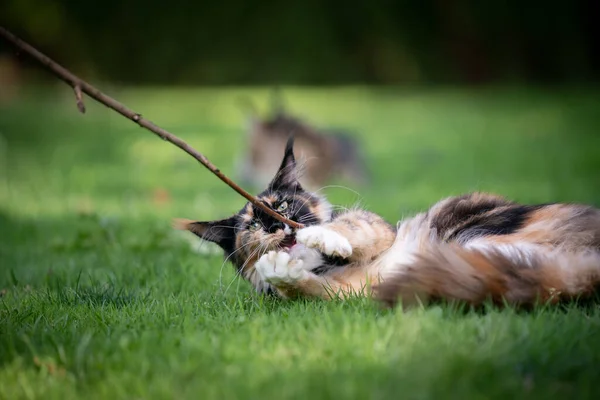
(278, 267)
(311, 258)
(412, 236)
(325, 240)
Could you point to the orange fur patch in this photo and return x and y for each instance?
(181, 224)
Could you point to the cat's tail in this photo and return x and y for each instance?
(502, 274)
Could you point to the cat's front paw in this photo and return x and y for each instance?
(325, 240)
(277, 268)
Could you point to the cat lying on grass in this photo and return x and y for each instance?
(470, 248)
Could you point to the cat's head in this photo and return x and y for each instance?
(250, 233)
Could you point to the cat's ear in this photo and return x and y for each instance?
(221, 232)
(287, 175)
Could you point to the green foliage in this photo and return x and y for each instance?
(101, 299)
(315, 42)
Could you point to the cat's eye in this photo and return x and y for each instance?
(283, 206)
(254, 225)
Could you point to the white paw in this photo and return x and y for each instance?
(325, 240)
(277, 268)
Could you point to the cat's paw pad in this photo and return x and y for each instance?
(277, 268)
(325, 240)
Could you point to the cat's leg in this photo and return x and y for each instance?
(289, 277)
(326, 240)
(356, 235)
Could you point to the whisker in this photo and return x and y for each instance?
(260, 251)
(240, 271)
(338, 187)
(304, 203)
(326, 187)
(229, 256)
(224, 226)
(253, 272)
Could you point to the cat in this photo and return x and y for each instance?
(324, 154)
(470, 248)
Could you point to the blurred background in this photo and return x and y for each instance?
(314, 42)
(428, 98)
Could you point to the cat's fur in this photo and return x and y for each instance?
(469, 248)
(323, 155)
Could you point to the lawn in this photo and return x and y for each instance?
(101, 299)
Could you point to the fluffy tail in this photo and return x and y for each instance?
(503, 274)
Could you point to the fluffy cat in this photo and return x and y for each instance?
(469, 248)
(324, 155)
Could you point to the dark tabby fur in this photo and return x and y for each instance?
(469, 248)
(323, 155)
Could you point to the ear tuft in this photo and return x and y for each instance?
(182, 224)
(289, 147)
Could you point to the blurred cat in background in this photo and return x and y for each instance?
(323, 155)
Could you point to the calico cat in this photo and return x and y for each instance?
(470, 248)
(324, 155)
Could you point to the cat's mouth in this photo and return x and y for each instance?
(288, 242)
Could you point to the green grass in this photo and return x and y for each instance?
(100, 299)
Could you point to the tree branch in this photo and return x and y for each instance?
(79, 99)
(80, 85)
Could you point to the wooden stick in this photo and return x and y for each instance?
(80, 86)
